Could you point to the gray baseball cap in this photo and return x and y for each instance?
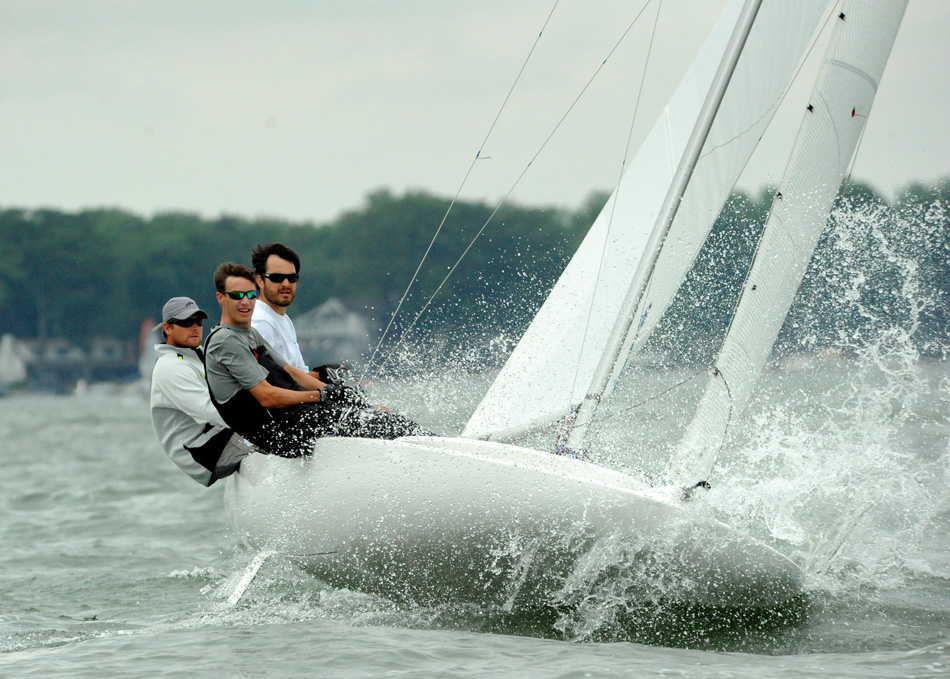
(180, 308)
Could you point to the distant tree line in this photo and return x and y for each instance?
(99, 273)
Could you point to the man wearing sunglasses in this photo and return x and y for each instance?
(276, 271)
(188, 425)
(274, 405)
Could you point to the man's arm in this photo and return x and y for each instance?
(307, 380)
(270, 396)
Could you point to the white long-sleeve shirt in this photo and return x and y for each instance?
(181, 406)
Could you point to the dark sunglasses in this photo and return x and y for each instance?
(187, 323)
(281, 277)
(235, 294)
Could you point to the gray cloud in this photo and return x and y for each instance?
(298, 108)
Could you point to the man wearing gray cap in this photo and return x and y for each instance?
(187, 423)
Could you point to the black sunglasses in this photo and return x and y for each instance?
(281, 277)
(187, 323)
(238, 294)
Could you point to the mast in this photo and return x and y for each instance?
(603, 375)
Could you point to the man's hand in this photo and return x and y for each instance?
(334, 393)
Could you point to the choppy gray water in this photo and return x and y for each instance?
(113, 563)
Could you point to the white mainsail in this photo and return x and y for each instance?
(551, 368)
(537, 384)
(847, 82)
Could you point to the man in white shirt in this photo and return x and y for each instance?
(277, 270)
(188, 425)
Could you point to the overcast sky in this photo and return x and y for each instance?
(299, 108)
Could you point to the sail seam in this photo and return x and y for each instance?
(861, 73)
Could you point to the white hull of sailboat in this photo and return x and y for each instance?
(437, 520)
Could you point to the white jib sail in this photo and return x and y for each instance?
(552, 365)
(839, 105)
(772, 52)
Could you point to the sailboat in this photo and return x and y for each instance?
(479, 519)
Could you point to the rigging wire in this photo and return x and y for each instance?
(478, 156)
(513, 186)
(633, 406)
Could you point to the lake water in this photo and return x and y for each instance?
(114, 564)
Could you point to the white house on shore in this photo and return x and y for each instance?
(330, 333)
(12, 362)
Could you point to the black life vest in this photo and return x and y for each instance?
(242, 412)
(206, 450)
